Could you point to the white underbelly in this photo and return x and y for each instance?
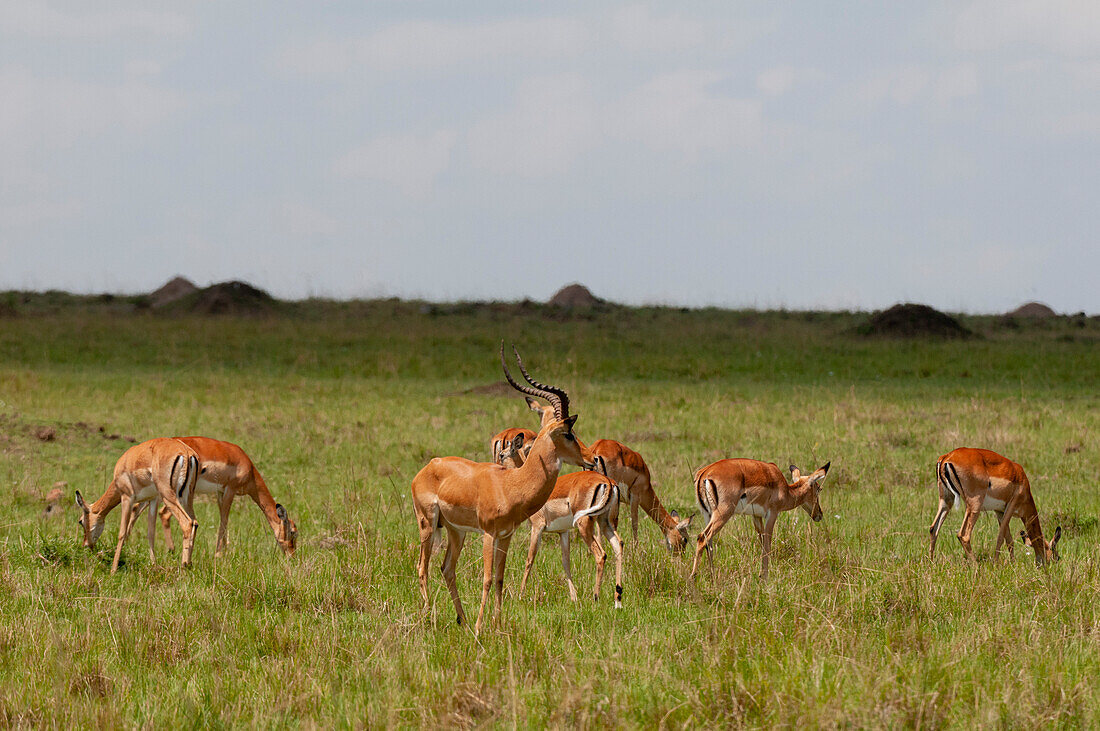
(147, 493)
(205, 487)
(560, 524)
(744, 507)
(992, 503)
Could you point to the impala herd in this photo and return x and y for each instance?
(523, 484)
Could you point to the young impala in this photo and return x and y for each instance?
(225, 471)
(503, 441)
(461, 496)
(586, 501)
(630, 471)
(749, 487)
(164, 469)
(984, 480)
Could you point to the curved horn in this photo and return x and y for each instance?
(560, 400)
(522, 389)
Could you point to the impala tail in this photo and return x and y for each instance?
(605, 496)
(706, 494)
(950, 485)
(185, 471)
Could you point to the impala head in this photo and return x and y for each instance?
(511, 453)
(677, 538)
(557, 423)
(91, 524)
(812, 481)
(287, 533)
(546, 413)
(1048, 553)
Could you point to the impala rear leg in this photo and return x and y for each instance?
(427, 533)
(967, 529)
(946, 503)
(588, 533)
(455, 539)
(766, 536)
(634, 500)
(166, 524)
(717, 519)
(487, 543)
(612, 537)
(1003, 534)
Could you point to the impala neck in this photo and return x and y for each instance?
(651, 504)
(262, 497)
(1030, 515)
(108, 501)
(797, 495)
(534, 480)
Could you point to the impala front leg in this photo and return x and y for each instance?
(769, 529)
(500, 558)
(567, 567)
(455, 539)
(967, 529)
(537, 527)
(1003, 535)
(123, 529)
(587, 530)
(224, 504)
(612, 537)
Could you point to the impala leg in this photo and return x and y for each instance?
(225, 502)
(151, 523)
(937, 523)
(537, 527)
(166, 524)
(566, 567)
(635, 497)
(1003, 534)
(188, 525)
(455, 539)
(587, 530)
(500, 559)
(123, 530)
(427, 533)
(717, 519)
(487, 577)
(769, 529)
(967, 529)
(612, 537)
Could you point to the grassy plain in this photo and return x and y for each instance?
(340, 404)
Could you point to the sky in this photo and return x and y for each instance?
(737, 154)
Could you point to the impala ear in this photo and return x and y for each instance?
(517, 442)
(280, 511)
(570, 421)
(795, 473)
(80, 502)
(1057, 535)
(533, 404)
(600, 466)
(820, 472)
(674, 514)
(1025, 539)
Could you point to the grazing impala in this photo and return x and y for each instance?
(630, 471)
(164, 469)
(461, 496)
(984, 480)
(587, 501)
(225, 471)
(749, 487)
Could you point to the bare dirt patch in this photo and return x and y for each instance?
(499, 388)
(174, 289)
(575, 295)
(1034, 310)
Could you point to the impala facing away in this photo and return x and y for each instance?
(984, 480)
(503, 441)
(627, 468)
(225, 471)
(164, 469)
(587, 501)
(749, 487)
(461, 496)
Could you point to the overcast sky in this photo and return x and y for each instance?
(735, 154)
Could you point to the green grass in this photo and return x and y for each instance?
(340, 404)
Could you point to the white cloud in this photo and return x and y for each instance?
(51, 113)
(1069, 27)
(635, 28)
(410, 162)
(433, 45)
(37, 20)
(682, 113)
(551, 124)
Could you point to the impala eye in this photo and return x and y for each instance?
(569, 436)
